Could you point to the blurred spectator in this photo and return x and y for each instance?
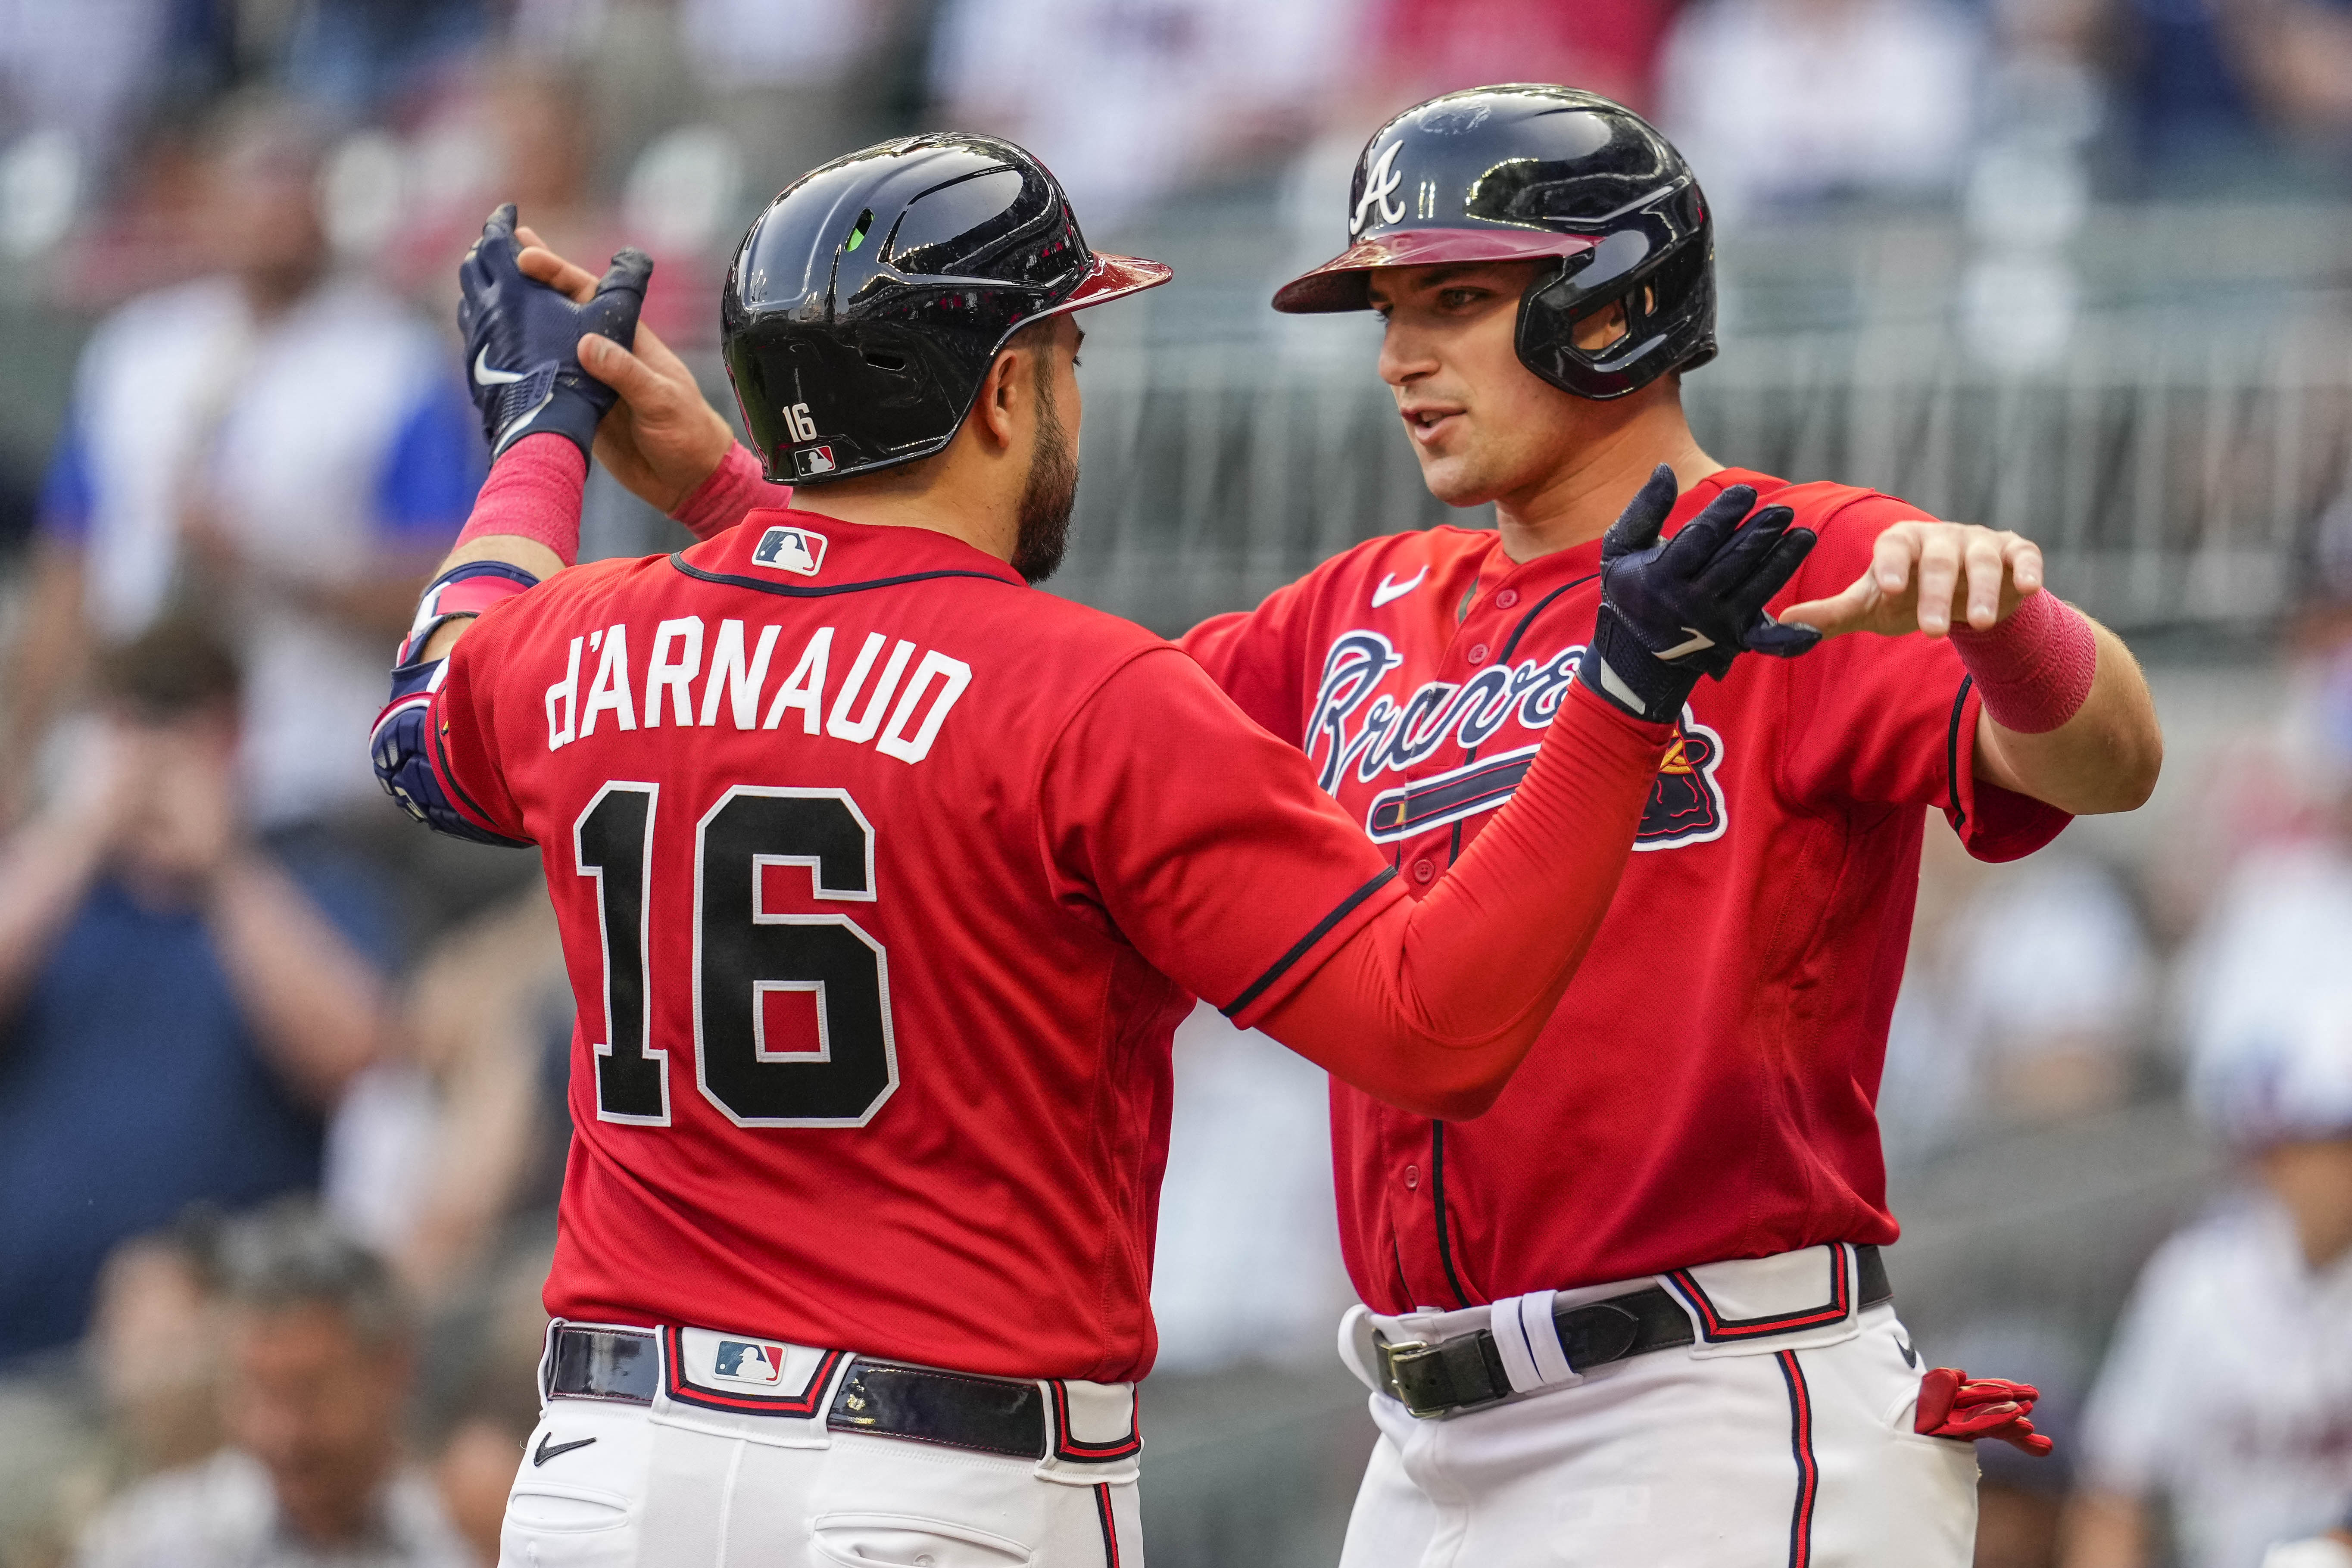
(486, 1032)
(353, 58)
(2298, 56)
(2228, 1393)
(2051, 993)
(1250, 1134)
(1128, 99)
(2025, 1001)
(1779, 102)
(140, 1397)
(1424, 47)
(794, 97)
(319, 1359)
(2207, 87)
(286, 448)
(79, 71)
(182, 1005)
(486, 1426)
(519, 129)
(152, 1347)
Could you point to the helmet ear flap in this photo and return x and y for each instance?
(1668, 325)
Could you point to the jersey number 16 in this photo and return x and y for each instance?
(741, 953)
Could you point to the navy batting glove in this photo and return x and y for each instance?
(522, 339)
(1673, 612)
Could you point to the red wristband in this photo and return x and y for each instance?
(534, 491)
(735, 486)
(2034, 670)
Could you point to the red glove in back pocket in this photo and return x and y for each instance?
(1953, 1405)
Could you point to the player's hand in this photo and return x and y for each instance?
(1953, 1405)
(1674, 610)
(1928, 577)
(522, 339)
(662, 440)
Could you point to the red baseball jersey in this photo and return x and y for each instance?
(1705, 1089)
(884, 880)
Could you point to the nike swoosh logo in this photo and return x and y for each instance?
(516, 429)
(485, 376)
(1699, 642)
(1391, 588)
(546, 1452)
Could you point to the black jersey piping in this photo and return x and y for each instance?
(1952, 751)
(1528, 620)
(1437, 1197)
(1305, 944)
(734, 580)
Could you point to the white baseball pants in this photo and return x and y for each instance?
(668, 1485)
(1789, 1453)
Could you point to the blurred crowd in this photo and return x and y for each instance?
(281, 1076)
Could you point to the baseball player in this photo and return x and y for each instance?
(884, 880)
(2225, 1404)
(1635, 1312)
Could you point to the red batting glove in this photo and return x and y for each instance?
(1953, 1405)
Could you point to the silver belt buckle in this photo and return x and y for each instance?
(1411, 1371)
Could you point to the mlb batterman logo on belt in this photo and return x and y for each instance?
(747, 1360)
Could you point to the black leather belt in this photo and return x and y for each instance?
(990, 1415)
(1464, 1372)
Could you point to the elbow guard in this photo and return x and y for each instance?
(400, 744)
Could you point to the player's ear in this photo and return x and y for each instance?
(1000, 392)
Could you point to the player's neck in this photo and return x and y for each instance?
(940, 494)
(1576, 501)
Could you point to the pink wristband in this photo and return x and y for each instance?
(534, 491)
(2034, 670)
(735, 486)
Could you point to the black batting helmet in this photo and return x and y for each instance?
(1530, 171)
(866, 305)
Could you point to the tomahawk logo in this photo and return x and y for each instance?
(797, 550)
(1380, 183)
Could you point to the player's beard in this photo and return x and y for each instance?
(1047, 496)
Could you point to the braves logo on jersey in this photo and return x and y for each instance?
(1356, 732)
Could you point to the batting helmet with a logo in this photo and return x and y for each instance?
(866, 303)
(1544, 173)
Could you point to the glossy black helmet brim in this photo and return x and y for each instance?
(866, 303)
(1555, 174)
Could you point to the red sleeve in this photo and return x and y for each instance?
(1432, 1005)
(463, 740)
(1880, 721)
(1259, 657)
(1202, 839)
(1209, 846)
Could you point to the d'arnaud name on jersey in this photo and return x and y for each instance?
(897, 709)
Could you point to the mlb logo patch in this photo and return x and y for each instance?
(810, 460)
(791, 550)
(748, 1361)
